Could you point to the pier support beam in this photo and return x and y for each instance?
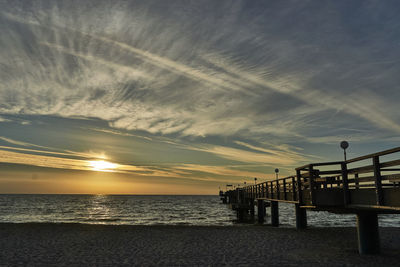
(260, 211)
(301, 217)
(274, 213)
(368, 233)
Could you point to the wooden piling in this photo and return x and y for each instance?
(301, 217)
(368, 233)
(274, 213)
(260, 211)
(241, 214)
(252, 211)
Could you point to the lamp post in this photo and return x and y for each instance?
(276, 173)
(255, 181)
(344, 145)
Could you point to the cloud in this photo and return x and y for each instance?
(247, 156)
(43, 161)
(269, 157)
(18, 143)
(250, 73)
(50, 150)
(115, 132)
(221, 171)
(53, 161)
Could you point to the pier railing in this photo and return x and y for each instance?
(368, 182)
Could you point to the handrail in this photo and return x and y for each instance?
(305, 167)
(307, 185)
(266, 182)
(382, 153)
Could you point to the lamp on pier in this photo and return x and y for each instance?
(344, 145)
(255, 180)
(276, 173)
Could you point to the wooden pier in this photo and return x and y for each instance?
(365, 186)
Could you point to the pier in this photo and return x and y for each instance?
(366, 186)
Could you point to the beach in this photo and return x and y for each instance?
(38, 244)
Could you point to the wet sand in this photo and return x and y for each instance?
(106, 245)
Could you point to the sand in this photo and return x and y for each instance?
(106, 245)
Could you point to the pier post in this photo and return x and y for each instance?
(241, 214)
(274, 213)
(260, 211)
(252, 212)
(301, 217)
(368, 233)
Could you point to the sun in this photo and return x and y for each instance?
(101, 165)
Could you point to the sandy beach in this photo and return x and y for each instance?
(106, 245)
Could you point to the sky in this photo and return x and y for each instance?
(184, 97)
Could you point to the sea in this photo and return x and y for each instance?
(152, 210)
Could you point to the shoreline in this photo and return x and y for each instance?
(234, 225)
(171, 245)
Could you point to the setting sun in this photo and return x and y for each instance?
(101, 165)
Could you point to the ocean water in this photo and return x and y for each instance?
(151, 210)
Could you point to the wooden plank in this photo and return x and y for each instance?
(363, 179)
(327, 163)
(390, 170)
(307, 167)
(365, 186)
(302, 168)
(363, 169)
(308, 207)
(390, 163)
(391, 177)
(282, 200)
(372, 178)
(330, 172)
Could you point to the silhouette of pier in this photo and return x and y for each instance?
(365, 186)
